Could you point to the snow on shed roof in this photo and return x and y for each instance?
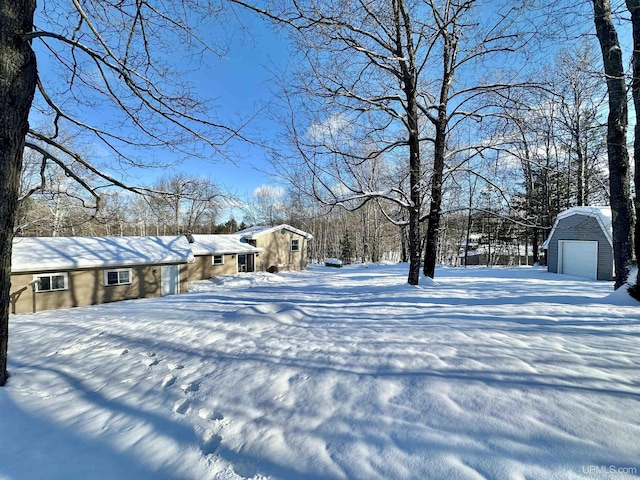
(601, 214)
(221, 244)
(60, 253)
(255, 232)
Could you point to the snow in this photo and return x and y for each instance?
(221, 244)
(60, 253)
(333, 261)
(252, 233)
(504, 373)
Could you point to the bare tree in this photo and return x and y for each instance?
(634, 8)
(579, 83)
(181, 202)
(619, 176)
(265, 206)
(383, 89)
(100, 56)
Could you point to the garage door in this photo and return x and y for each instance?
(579, 258)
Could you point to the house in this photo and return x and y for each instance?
(61, 272)
(479, 252)
(283, 247)
(581, 243)
(221, 255)
(500, 254)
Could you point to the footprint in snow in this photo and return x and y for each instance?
(150, 359)
(191, 387)
(209, 442)
(168, 380)
(207, 414)
(181, 406)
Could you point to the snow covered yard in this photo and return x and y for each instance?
(331, 374)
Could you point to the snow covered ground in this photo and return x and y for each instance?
(331, 374)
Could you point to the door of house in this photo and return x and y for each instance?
(170, 280)
(246, 263)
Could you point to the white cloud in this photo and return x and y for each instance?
(267, 191)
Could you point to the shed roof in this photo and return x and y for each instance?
(41, 254)
(601, 214)
(220, 245)
(257, 231)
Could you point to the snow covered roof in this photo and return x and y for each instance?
(221, 244)
(255, 232)
(601, 214)
(59, 253)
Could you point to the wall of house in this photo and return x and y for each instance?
(582, 227)
(277, 254)
(86, 287)
(203, 268)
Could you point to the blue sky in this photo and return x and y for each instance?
(239, 85)
(245, 86)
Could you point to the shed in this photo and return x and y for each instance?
(62, 272)
(283, 246)
(221, 255)
(581, 243)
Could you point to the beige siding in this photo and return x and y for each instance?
(87, 287)
(203, 268)
(277, 254)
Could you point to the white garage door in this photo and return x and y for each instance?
(579, 258)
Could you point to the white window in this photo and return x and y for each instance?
(295, 245)
(121, 276)
(51, 282)
(218, 260)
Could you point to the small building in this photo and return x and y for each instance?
(479, 252)
(62, 272)
(221, 255)
(498, 255)
(283, 247)
(581, 243)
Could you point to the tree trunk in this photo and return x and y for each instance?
(468, 235)
(415, 177)
(534, 246)
(18, 76)
(449, 54)
(581, 200)
(622, 216)
(433, 228)
(634, 9)
(403, 244)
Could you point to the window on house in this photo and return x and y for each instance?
(218, 259)
(52, 282)
(295, 245)
(122, 276)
